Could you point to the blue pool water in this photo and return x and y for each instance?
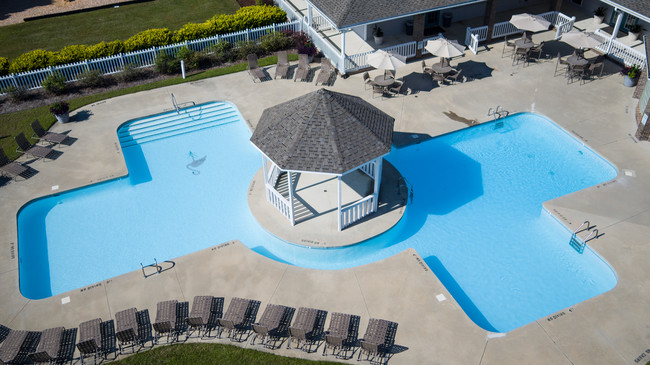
(476, 216)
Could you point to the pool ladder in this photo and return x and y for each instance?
(579, 243)
(498, 113)
(402, 185)
(159, 269)
(178, 106)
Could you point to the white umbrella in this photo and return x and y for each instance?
(533, 23)
(578, 39)
(444, 48)
(381, 59)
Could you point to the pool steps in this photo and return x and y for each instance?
(168, 125)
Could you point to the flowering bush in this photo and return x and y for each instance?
(304, 44)
(631, 71)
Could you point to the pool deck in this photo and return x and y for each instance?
(612, 328)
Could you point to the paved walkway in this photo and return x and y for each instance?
(612, 328)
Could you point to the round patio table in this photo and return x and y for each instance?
(524, 43)
(577, 61)
(439, 69)
(384, 80)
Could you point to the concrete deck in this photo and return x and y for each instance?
(612, 328)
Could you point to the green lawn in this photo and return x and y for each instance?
(203, 353)
(107, 24)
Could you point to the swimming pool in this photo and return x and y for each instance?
(476, 216)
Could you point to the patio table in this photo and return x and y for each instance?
(439, 69)
(575, 60)
(524, 43)
(384, 80)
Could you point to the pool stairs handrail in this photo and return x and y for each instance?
(498, 113)
(159, 268)
(579, 243)
(178, 106)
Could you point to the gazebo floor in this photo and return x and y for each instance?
(316, 201)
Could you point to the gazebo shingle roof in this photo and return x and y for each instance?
(352, 12)
(323, 131)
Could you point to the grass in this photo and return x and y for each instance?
(107, 24)
(203, 353)
(13, 123)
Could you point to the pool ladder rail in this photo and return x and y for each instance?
(579, 243)
(498, 113)
(178, 106)
(158, 268)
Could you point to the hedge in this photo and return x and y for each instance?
(244, 18)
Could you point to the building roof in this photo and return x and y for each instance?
(345, 13)
(640, 7)
(323, 131)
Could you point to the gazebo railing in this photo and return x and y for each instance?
(356, 211)
(369, 169)
(279, 202)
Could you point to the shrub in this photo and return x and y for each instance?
(105, 49)
(32, 61)
(223, 51)
(73, 53)
(263, 2)
(248, 17)
(60, 107)
(276, 41)
(54, 83)
(166, 64)
(147, 39)
(4, 66)
(189, 57)
(244, 48)
(133, 73)
(17, 94)
(92, 78)
(192, 31)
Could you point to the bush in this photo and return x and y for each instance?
(147, 39)
(276, 41)
(54, 83)
(133, 73)
(17, 94)
(59, 107)
(223, 51)
(192, 31)
(244, 48)
(166, 64)
(33, 61)
(92, 78)
(73, 53)
(248, 17)
(189, 57)
(303, 43)
(105, 49)
(4, 66)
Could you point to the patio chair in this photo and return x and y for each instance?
(273, 325)
(378, 340)
(576, 72)
(282, 68)
(396, 88)
(307, 329)
(453, 77)
(17, 345)
(367, 80)
(96, 338)
(239, 318)
(302, 72)
(254, 70)
(48, 346)
(29, 149)
(326, 71)
(593, 67)
(42, 135)
(170, 320)
(508, 45)
(341, 335)
(205, 314)
(440, 79)
(537, 49)
(561, 65)
(376, 89)
(11, 168)
(426, 69)
(133, 328)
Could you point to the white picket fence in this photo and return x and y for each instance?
(619, 51)
(144, 58)
(360, 60)
(356, 211)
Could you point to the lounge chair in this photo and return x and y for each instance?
(133, 328)
(170, 319)
(96, 338)
(453, 77)
(239, 318)
(379, 338)
(302, 72)
(11, 168)
(29, 149)
(341, 337)
(48, 346)
(325, 73)
(307, 328)
(273, 325)
(42, 135)
(282, 68)
(205, 314)
(4, 332)
(17, 345)
(253, 69)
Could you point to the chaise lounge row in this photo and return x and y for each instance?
(132, 330)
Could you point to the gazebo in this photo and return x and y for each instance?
(323, 132)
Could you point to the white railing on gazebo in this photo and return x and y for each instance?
(356, 211)
(279, 202)
(369, 168)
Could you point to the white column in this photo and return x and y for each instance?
(266, 178)
(310, 15)
(342, 65)
(290, 182)
(339, 202)
(378, 166)
(617, 26)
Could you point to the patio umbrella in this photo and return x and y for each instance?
(381, 59)
(578, 39)
(443, 47)
(533, 23)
